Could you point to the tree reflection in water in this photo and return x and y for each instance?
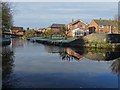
(7, 65)
(78, 54)
(115, 66)
(69, 54)
(66, 56)
(8, 78)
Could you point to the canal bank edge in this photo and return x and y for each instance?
(94, 40)
(100, 40)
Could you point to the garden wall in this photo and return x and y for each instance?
(111, 38)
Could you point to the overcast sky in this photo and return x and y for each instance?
(39, 14)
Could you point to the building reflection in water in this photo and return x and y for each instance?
(68, 54)
(16, 42)
(65, 53)
(80, 53)
(71, 54)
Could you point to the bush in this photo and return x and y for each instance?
(29, 34)
(100, 44)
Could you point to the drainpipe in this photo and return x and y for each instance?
(73, 33)
(110, 29)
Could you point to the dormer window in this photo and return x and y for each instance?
(101, 26)
(82, 26)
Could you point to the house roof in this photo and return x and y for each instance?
(17, 28)
(76, 21)
(57, 25)
(106, 22)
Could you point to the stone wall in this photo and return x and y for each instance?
(111, 38)
(95, 37)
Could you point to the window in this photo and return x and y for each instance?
(76, 33)
(106, 26)
(101, 26)
(75, 25)
(79, 33)
(82, 26)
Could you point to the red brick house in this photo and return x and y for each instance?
(77, 28)
(103, 26)
(17, 31)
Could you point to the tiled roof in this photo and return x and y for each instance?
(76, 21)
(57, 25)
(17, 28)
(106, 22)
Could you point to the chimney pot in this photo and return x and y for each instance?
(72, 20)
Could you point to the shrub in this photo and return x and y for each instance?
(100, 44)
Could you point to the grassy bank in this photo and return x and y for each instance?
(89, 41)
(98, 44)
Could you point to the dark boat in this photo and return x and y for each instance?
(5, 41)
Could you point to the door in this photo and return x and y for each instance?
(92, 30)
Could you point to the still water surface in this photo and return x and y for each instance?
(33, 65)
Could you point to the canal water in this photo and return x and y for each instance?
(34, 65)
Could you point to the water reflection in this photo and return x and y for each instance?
(8, 57)
(53, 49)
(7, 65)
(115, 66)
(69, 54)
(80, 53)
(16, 42)
(43, 67)
(101, 54)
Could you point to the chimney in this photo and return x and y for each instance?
(73, 20)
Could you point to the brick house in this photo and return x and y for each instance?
(103, 26)
(17, 31)
(77, 28)
(57, 28)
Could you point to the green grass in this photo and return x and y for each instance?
(100, 44)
